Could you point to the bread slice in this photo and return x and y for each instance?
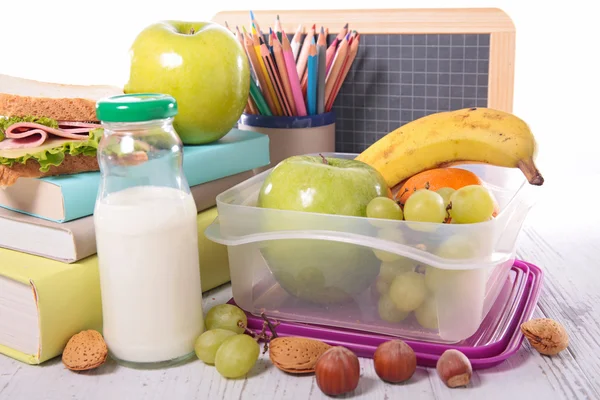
(22, 97)
(31, 169)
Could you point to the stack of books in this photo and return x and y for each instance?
(49, 282)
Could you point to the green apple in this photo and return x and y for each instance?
(322, 185)
(200, 64)
(320, 271)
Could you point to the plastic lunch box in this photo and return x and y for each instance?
(425, 281)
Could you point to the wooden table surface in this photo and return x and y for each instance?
(561, 235)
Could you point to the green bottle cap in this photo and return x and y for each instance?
(136, 107)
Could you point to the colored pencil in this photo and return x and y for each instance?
(303, 57)
(270, 40)
(259, 99)
(321, 53)
(333, 47)
(355, 41)
(238, 35)
(251, 107)
(336, 66)
(304, 80)
(283, 74)
(227, 26)
(255, 22)
(292, 74)
(312, 73)
(269, 85)
(278, 28)
(296, 41)
(258, 71)
(272, 70)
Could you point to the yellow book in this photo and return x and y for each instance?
(44, 302)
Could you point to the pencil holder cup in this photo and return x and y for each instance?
(292, 136)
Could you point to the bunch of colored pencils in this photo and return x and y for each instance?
(298, 77)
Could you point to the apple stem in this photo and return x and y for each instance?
(192, 31)
(324, 159)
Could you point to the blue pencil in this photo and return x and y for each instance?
(313, 77)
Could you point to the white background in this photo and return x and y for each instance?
(556, 83)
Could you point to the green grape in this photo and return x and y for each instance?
(445, 192)
(236, 356)
(388, 311)
(384, 208)
(226, 316)
(425, 206)
(408, 291)
(389, 270)
(382, 285)
(437, 279)
(392, 235)
(426, 314)
(208, 343)
(471, 204)
(457, 247)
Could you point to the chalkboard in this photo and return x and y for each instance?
(399, 78)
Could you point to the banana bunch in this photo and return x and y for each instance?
(470, 135)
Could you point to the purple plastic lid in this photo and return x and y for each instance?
(491, 354)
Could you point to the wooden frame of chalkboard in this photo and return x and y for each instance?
(411, 62)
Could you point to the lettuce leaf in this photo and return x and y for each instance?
(6, 122)
(55, 155)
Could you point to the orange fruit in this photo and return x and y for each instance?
(435, 179)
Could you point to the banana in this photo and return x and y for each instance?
(470, 135)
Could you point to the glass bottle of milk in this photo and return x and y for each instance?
(146, 234)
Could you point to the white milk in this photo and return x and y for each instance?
(147, 241)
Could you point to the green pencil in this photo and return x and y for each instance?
(258, 98)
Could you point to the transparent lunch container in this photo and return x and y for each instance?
(423, 281)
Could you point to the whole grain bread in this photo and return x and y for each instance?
(58, 109)
(31, 169)
(23, 97)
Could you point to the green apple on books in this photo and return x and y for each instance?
(200, 64)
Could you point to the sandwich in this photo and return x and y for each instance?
(48, 129)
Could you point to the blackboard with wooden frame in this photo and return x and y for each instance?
(411, 62)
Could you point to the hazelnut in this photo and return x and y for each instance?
(337, 371)
(454, 368)
(395, 361)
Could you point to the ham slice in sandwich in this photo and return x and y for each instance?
(48, 129)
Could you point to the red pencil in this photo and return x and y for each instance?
(333, 47)
(353, 45)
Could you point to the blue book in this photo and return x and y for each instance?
(67, 197)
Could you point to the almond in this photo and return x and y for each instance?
(296, 355)
(85, 350)
(545, 335)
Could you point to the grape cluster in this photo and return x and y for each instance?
(224, 343)
(403, 290)
(467, 205)
(405, 286)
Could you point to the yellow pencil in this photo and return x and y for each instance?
(257, 71)
(278, 110)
